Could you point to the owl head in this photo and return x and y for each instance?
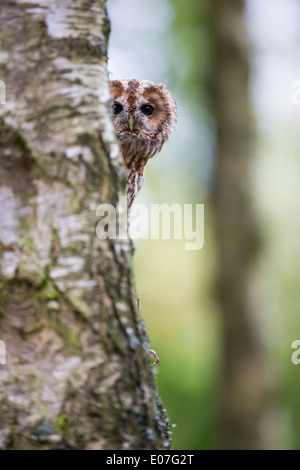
(144, 115)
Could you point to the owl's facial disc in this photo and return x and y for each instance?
(136, 119)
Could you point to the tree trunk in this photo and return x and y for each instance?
(244, 383)
(77, 375)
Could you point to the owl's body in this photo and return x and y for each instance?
(144, 116)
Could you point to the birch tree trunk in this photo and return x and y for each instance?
(77, 375)
(245, 382)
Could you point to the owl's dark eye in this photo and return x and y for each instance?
(117, 108)
(147, 109)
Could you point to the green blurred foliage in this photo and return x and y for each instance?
(174, 284)
(169, 41)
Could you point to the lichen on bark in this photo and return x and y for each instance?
(77, 373)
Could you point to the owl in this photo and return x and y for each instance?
(144, 115)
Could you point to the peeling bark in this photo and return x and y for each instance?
(77, 373)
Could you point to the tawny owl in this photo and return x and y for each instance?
(144, 116)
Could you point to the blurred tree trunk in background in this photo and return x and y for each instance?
(244, 382)
(77, 374)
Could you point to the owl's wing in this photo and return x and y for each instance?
(135, 181)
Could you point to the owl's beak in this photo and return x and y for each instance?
(131, 122)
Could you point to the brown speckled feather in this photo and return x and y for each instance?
(144, 117)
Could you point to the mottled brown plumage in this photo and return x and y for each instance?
(144, 116)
